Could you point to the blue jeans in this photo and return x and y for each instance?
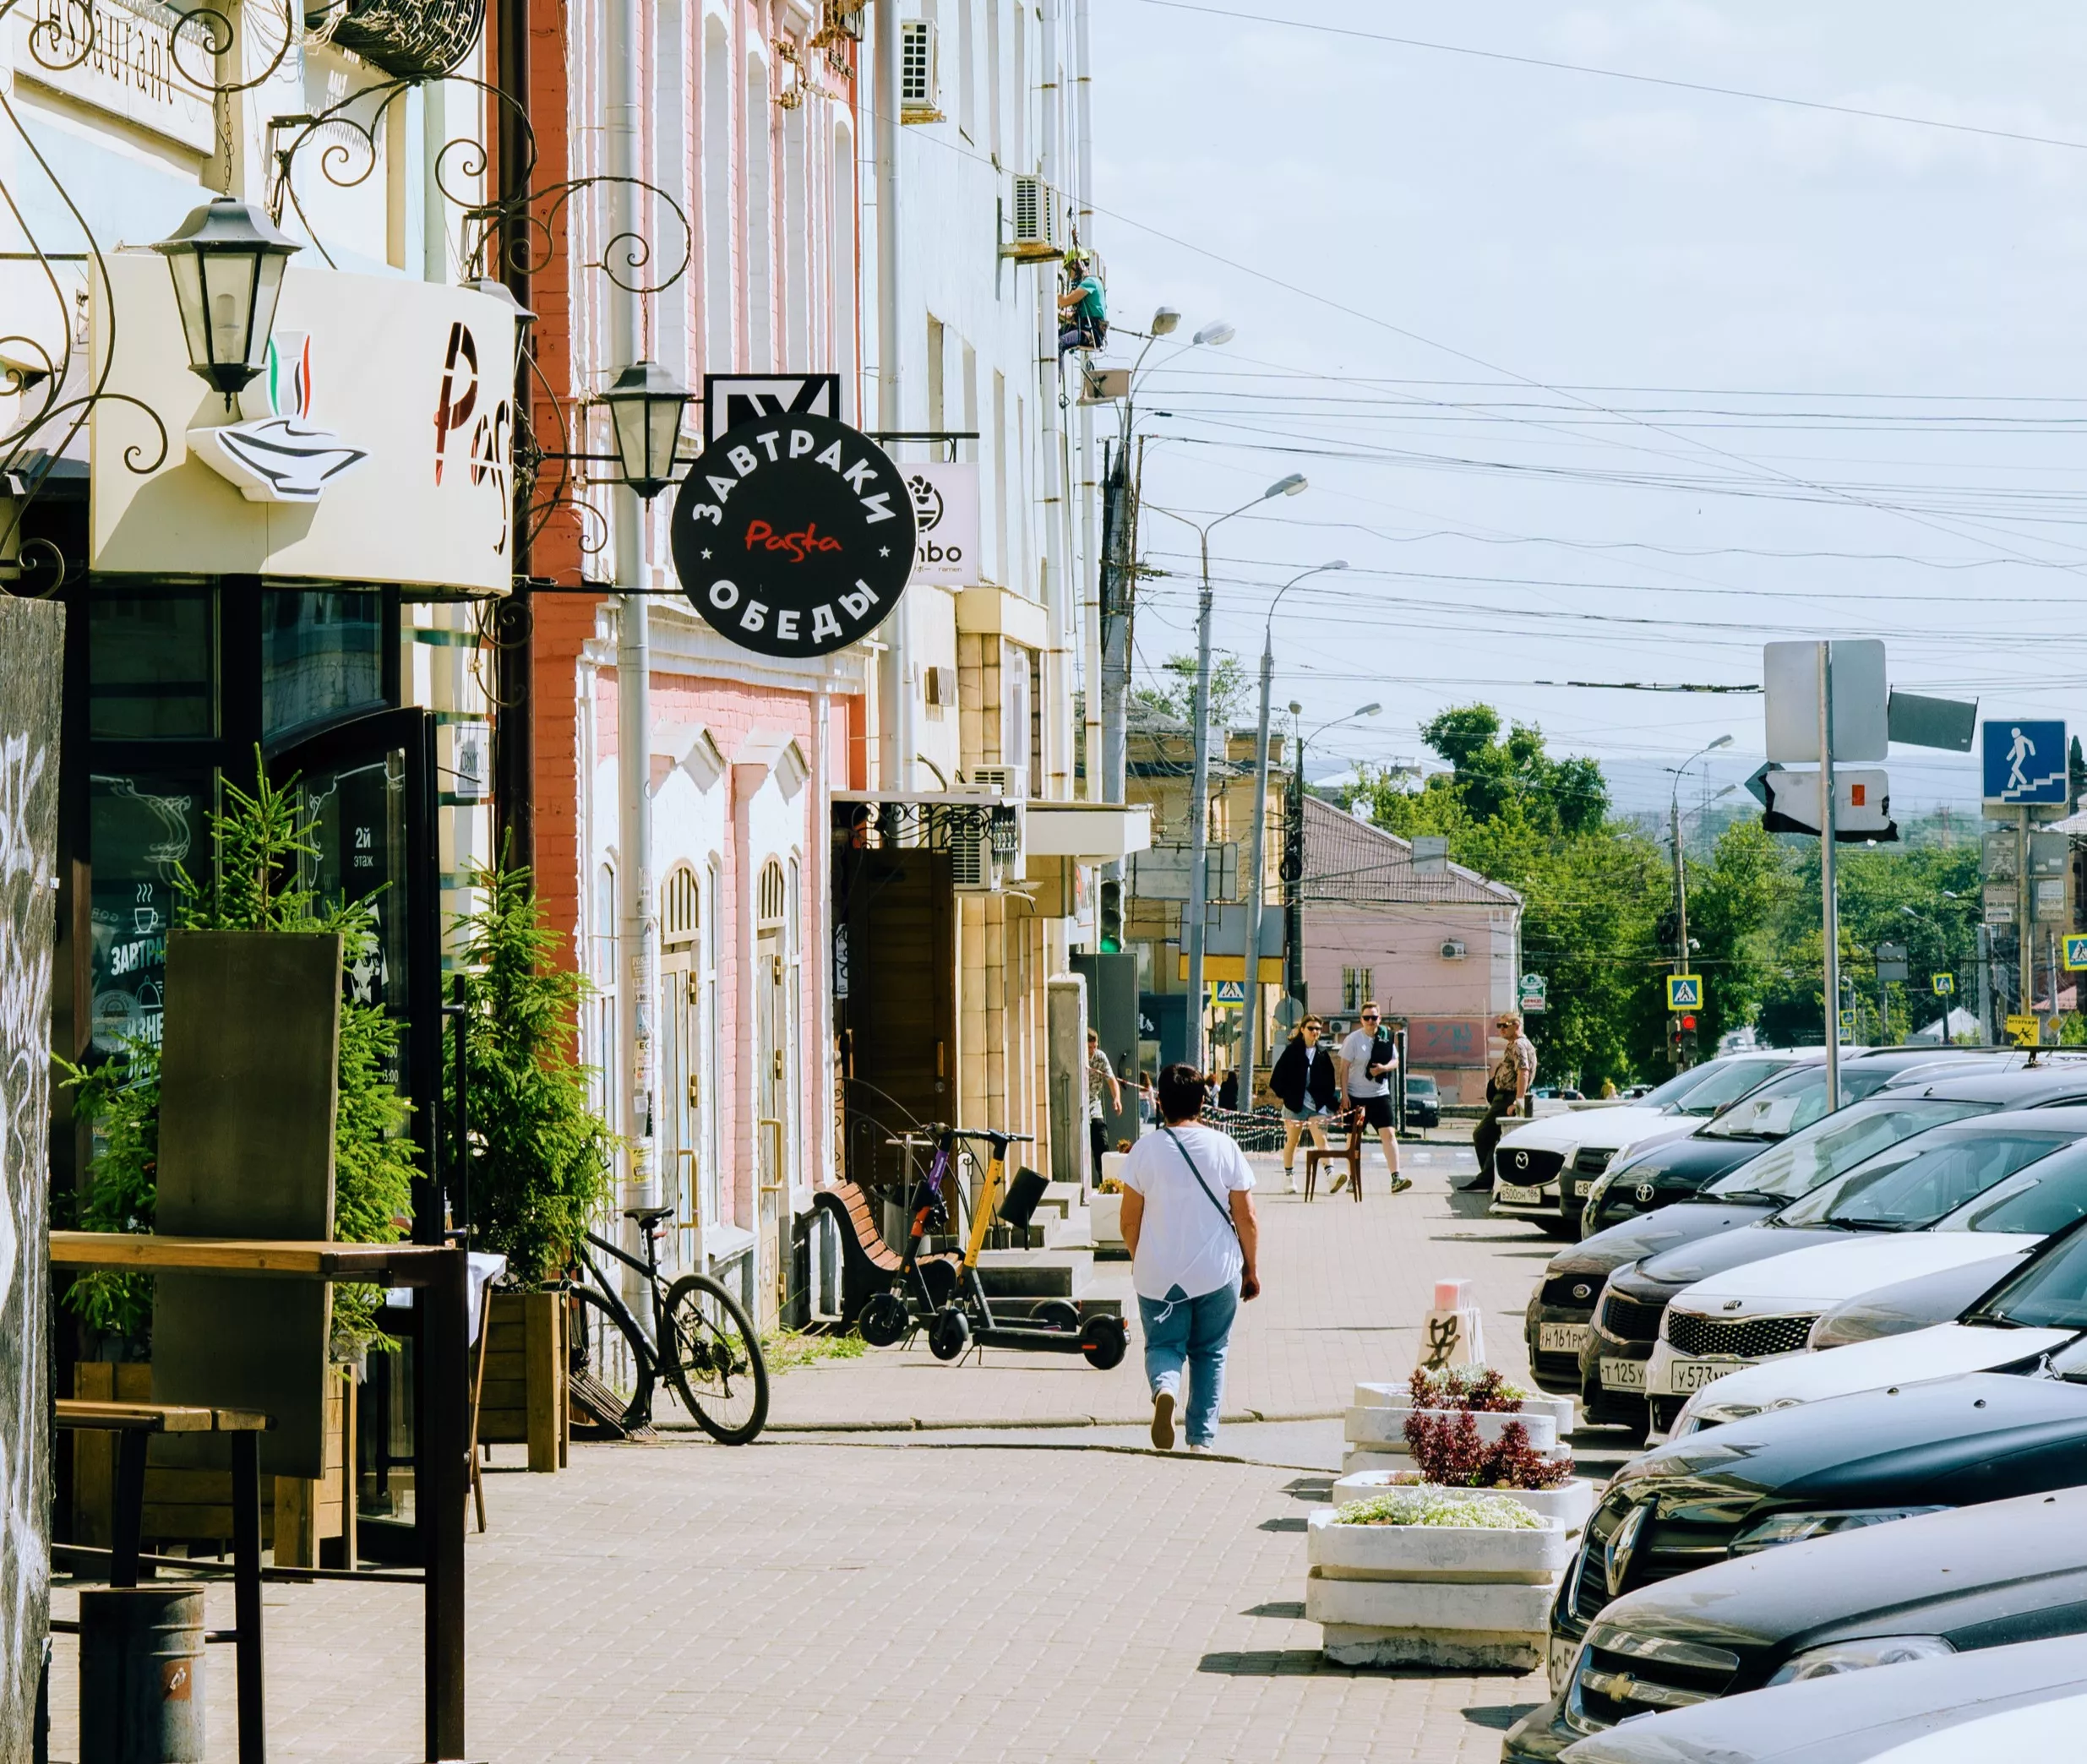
(1181, 1329)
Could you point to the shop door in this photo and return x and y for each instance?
(772, 1121)
(681, 1100)
(368, 784)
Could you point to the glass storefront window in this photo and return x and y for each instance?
(151, 666)
(321, 656)
(145, 831)
(359, 838)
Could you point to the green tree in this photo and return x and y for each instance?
(1734, 902)
(1176, 699)
(259, 845)
(540, 1159)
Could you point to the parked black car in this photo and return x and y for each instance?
(1423, 1103)
(1774, 1176)
(1926, 1588)
(1675, 1169)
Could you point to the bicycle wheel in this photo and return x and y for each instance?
(715, 1360)
(605, 1354)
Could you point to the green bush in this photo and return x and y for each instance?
(540, 1161)
(259, 845)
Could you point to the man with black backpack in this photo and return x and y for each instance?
(1188, 1221)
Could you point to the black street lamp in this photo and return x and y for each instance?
(227, 262)
(645, 404)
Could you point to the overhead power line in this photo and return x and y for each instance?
(1654, 80)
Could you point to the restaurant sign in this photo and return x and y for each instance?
(136, 59)
(374, 447)
(794, 534)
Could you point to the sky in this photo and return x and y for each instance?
(1603, 379)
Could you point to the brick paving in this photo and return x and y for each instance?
(895, 1596)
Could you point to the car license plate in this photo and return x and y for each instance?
(1581, 1190)
(1562, 1653)
(1561, 1337)
(1622, 1375)
(1686, 1375)
(1520, 1196)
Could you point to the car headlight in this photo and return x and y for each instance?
(1695, 1416)
(1854, 1656)
(1798, 1528)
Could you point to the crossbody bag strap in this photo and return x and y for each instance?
(1224, 1212)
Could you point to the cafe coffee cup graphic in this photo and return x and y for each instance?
(794, 535)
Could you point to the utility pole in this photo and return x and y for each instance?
(1199, 815)
(1829, 903)
(633, 654)
(1986, 984)
(1294, 870)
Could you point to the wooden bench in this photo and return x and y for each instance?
(1351, 1155)
(134, 1424)
(868, 1263)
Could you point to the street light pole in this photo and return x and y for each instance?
(1199, 784)
(1680, 870)
(1829, 901)
(1251, 1045)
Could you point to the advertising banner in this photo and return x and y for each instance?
(945, 517)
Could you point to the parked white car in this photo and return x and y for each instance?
(1967, 1192)
(1577, 1146)
(2032, 1318)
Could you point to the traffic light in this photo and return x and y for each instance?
(1110, 921)
(1688, 1038)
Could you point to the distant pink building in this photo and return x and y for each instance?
(1442, 950)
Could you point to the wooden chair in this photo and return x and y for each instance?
(134, 1424)
(477, 1390)
(867, 1261)
(1351, 1155)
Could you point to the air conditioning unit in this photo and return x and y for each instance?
(974, 864)
(920, 87)
(1452, 950)
(1002, 780)
(939, 686)
(1032, 230)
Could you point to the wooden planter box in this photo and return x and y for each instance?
(189, 1502)
(522, 1400)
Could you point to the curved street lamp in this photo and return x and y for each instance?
(646, 406)
(227, 261)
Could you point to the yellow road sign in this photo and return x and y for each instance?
(1944, 984)
(1684, 992)
(2023, 1030)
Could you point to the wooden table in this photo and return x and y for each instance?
(441, 1446)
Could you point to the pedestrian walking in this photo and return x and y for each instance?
(1304, 1081)
(1147, 1101)
(1101, 1078)
(1228, 1093)
(1188, 1221)
(1507, 1093)
(1364, 1061)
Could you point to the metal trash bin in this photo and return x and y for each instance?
(141, 1675)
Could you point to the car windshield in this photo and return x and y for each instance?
(1725, 1084)
(2046, 1197)
(2050, 1293)
(1420, 1086)
(1840, 1143)
(1792, 1102)
(1911, 1186)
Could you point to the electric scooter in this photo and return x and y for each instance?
(966, 1319)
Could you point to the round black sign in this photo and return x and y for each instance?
(794, 534)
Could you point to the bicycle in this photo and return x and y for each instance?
(701, 1343)
(965, 1319)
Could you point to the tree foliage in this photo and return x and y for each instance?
(260, 844)
(1176, 700)
(540, 1159)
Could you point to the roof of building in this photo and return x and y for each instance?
(1347, 859)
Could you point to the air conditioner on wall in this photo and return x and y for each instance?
(919, 89)
(1452, 950)
(1032, 223)
(974, 864)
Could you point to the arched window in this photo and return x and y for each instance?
(772, 903)
(680, 907)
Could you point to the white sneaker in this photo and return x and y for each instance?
(1289, 1181)
(1196, 1451)
(1162, 1420)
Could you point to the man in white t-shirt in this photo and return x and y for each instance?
(1364, 1062)
(1188, 1221)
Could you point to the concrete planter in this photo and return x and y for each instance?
(1458, 1626)
(1384, 1430)
(1560, 1409)
(1435, 1553)
(1570, 1503)
(1105, 1219)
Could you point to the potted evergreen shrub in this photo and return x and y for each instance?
(539, 1162)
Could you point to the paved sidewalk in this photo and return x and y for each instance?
(799, 1603)
(1344, 1288)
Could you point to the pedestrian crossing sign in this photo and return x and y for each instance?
(1229, 992)
(1945, 984)
(2075, 954)
(1684, 992)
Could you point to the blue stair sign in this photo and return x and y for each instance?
(2025, 761)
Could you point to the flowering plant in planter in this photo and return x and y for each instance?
(1450, 1451)
(1481, 1388)
(1435, 1506)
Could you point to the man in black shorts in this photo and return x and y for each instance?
(1364, 1061)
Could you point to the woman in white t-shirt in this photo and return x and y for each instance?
(1188, 1221)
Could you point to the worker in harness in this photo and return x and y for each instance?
(1082, 311)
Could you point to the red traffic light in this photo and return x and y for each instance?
(1688, 1025)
